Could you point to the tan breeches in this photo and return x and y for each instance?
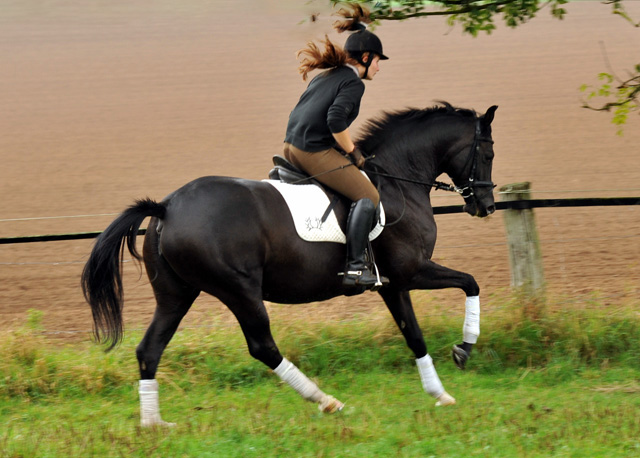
(347, 181)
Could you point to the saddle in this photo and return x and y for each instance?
(312, 207)
(285, 171)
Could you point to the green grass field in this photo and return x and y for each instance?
(566, 384)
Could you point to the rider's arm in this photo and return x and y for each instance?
(344, 140)
(343, 111)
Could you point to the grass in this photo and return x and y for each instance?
(562, 384)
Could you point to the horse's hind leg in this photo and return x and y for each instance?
(173, 298)
(254, 321)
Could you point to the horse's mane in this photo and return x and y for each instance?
(376, 130)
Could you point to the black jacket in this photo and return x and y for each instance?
(330, 103)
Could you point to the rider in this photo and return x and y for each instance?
(319, 124)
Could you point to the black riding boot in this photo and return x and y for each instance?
(359, 224)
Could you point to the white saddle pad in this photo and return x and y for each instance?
(307, 203)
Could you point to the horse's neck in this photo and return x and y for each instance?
(422, 166)
(407, 200)
(412, 200)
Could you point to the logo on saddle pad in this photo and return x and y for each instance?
(307, 204)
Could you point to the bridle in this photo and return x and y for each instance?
(469, 190)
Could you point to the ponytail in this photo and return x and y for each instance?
(354, 18)
(313, 57)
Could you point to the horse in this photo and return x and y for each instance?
(234, 238)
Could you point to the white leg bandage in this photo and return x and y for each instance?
(430, 380)
(471, 327)
(289, 373)
(149, 404)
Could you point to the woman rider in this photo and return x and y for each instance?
(319, 124)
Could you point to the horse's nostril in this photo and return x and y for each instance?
(491, 209)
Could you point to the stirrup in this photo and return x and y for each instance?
(365, 278)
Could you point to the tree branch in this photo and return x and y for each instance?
(467, 9)
(477, 15)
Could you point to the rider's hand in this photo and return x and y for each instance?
(357, 158)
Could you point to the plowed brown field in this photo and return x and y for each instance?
(105, 102)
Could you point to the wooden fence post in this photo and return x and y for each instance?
(525, 255)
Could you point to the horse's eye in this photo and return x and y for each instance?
(488, 156)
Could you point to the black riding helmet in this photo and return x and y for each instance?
(361, 42)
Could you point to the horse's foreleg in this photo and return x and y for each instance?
(435, 276)
(399, 304)
(254, 321)
(470, 332)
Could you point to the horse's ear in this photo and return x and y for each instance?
(488, 116)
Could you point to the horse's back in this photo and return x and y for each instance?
(238, 232)
(231, 210)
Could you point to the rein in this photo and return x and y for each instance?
(311, 177)
(436, 184)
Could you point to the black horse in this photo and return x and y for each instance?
(235, 239)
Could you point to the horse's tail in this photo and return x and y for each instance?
(102, 275)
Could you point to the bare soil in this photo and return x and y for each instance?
(105, 102)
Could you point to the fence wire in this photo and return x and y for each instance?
(553, 203)
(440, 247)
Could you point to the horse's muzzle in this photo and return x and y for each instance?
(473, 209)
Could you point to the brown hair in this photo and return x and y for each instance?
(313, 57)
(354, 17)
(333, 56)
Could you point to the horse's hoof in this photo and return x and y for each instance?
(460, 357)
(158, 424)
(445, 399)
(330, 405)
